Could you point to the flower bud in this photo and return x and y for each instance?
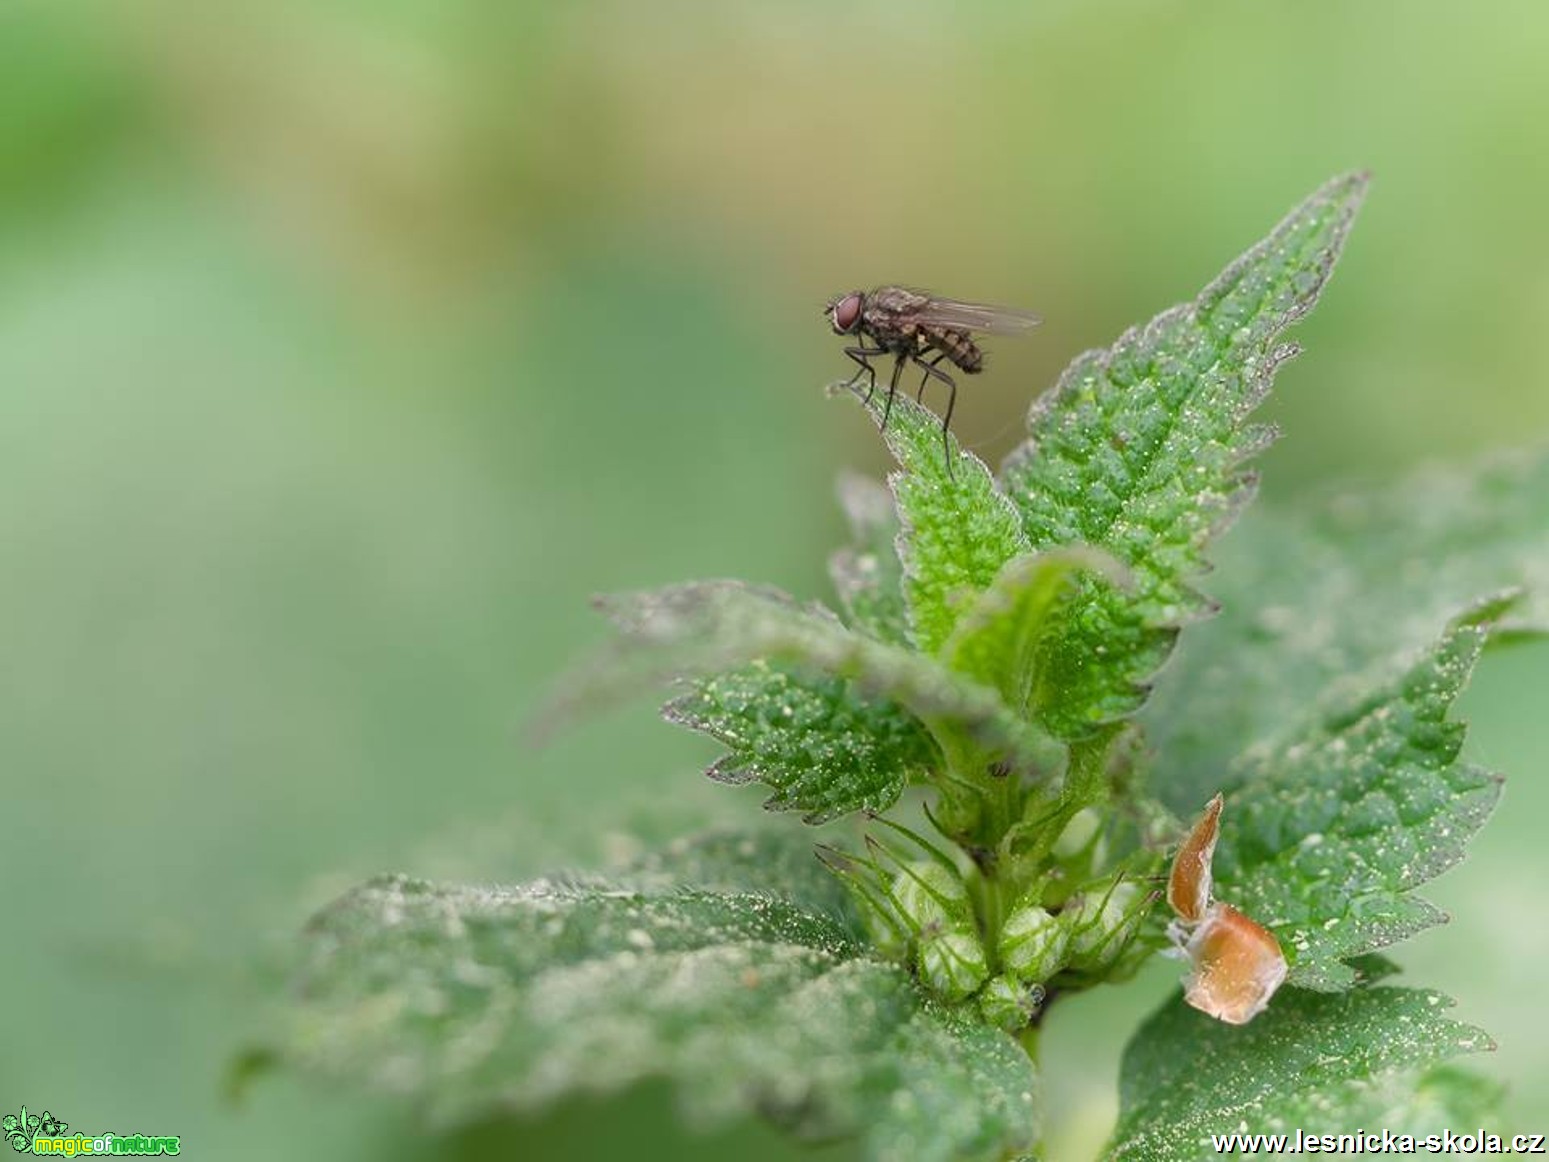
(1100, 925)
(953, 963)
(1009, 1004)
(1032, 944)
(931, 897)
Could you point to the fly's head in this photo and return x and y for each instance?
(844, 312)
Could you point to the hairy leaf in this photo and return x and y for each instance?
(1335, 588)
(712, 627)
(866, 574)
(958, 530)
(1339, 822)
(1313, 1061)
(1139, 448)
(1001, 639)
(824, 749)
(732, 965)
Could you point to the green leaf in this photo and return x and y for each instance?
(1313, 1061)
(1340, 821)
(732, 965)
(1444, 1097)
(1139, 449)
(958, 530)
(866, 574)
(1000, 641)
(824, 749)
(712, 627)
(1336, 587)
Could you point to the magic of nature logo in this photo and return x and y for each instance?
(44, 1134)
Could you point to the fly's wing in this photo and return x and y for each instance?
(981, 317)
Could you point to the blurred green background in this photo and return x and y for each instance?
(347, 347)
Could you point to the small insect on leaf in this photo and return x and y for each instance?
(1235, 963)
(922, 329)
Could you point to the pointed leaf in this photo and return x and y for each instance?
(1139, 449)
(1001, 639)
(824, 749)
(733, 966)
(1338, 823)
(958, 529)
(711, 627)
(1335, 587)
(1314, 1062)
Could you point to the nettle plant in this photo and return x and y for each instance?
(986, 680)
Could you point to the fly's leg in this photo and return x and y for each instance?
(862, 355)
(932, 371)
(892, 389)
(919, 396)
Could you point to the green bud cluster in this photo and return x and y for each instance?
(1090, 933)
(932, 901)
(1102, 924)
(925, 913)
(1009, 1004)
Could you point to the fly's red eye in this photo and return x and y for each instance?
(847, 312)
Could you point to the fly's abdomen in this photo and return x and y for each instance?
(958, 347)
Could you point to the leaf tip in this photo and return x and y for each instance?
(1348, 189)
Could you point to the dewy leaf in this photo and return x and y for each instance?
(712, 627)
(1312, 1061)
(824, 749)
(1338, 586)
(1139, 449)
(732, 965)
(958, 529)
(999, 640)
(1338, 823)
(866, 574)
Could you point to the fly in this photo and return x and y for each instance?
(923, 329)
